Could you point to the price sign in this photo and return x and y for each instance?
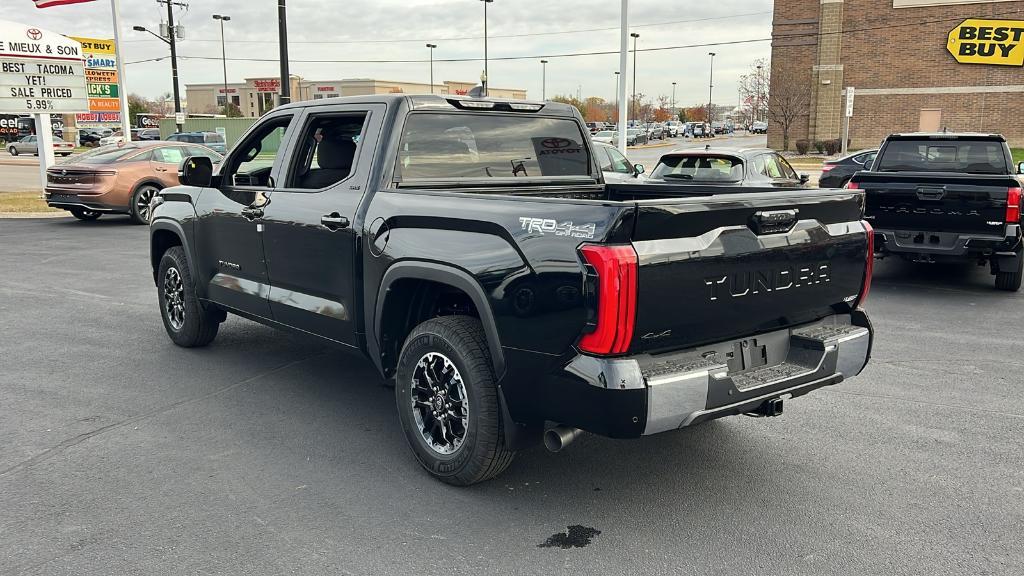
(40, 71)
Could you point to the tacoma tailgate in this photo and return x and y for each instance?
(723, 267)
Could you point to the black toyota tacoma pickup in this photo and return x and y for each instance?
(471, 250)
(947, 197)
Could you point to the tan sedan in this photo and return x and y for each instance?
(119, 179)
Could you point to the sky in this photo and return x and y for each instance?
(399, 30)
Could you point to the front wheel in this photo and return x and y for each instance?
(448, 401)
(12, 151)
(1011, 279)
(187, 323)
(141, 198)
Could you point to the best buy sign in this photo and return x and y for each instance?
(999, 42)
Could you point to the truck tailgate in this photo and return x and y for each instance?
(724, 267)
(936, 202)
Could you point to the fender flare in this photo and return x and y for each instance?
(442, 274)
(165, 224)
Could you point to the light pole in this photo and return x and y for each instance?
(759, 102)
(431, 46)
(711, 85)
(617, 103)
(673, 98)
(544, 80)
(282, 40)
(224, 56)
(174, 60)
(485, 78)
(632, 102)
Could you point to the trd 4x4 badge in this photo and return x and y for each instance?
(548, 226)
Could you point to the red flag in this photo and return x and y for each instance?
(49, 3)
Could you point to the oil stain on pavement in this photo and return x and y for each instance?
(575, 537)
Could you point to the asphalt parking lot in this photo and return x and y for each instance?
(265, 454)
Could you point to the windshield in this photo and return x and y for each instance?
(971, 156)
(702, 168)
(106, 154)
(443, 146)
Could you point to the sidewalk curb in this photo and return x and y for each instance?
(27, 215)
(648, 147)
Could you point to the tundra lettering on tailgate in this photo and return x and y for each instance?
(749, 283)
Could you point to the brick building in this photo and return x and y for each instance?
(912, 64)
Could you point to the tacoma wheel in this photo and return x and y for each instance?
(187, 323)
(1010, 280)
(85, 215)
(448, 401)
(140, 210)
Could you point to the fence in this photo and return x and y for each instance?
(233, 128)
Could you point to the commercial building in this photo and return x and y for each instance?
(256, 96)
(914, 65)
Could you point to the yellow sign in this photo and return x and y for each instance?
(95, 45)
(998, 42)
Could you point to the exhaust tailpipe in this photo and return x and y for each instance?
(557, 438)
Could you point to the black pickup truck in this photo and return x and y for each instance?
(947, 197)
(470, 248)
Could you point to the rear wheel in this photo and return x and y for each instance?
(140, 210)
(1011, 280)
(85, 215)
(448, 401)
(187, 323)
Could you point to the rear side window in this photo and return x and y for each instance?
(703, 168)
(447, 146)
(972, 156)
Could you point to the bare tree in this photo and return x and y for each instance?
(754, 90)
(790, 100)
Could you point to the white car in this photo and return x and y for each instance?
(605, 136)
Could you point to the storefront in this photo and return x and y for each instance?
(915, 65)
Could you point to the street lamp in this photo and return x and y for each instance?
(617, 74)
(484, 78)
(174, 62)
(431, 46)
(544, 80)
(673, 97)
(224, 57)
(711, 85)
(760, 103)
(632, 104)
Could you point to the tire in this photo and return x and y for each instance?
(13, 151)
(452, 347)
(1010, 281)
(85, 215)
(141, 197)
(188, 324)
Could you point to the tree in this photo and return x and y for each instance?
(662, 113)
(790, 100)
(231, 110)
(754, 90)
(137, 105)
(682, 115)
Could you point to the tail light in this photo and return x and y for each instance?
(851, 185)
(615, 268)
(827, 167)
(1013, 205)
(869, 265)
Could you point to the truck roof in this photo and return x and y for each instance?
(947, 136)
(450, 101)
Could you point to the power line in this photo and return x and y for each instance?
(460, 38)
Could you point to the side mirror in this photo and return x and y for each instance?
(805, 178)
(639, 168)
(196, 171)
(1020, 168)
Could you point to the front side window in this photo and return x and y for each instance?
(619, 162)
(253, 159)
(446, 146)
(701, 168)
(785, 168)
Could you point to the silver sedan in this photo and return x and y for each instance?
(30, 145)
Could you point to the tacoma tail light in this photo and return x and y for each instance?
(615, 268)
(869, 265)
(851, 185)
(1013, 205)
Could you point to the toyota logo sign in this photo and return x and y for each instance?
(34, 34)
(556, 143)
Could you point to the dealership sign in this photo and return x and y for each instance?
(999, 42)
(40, 71)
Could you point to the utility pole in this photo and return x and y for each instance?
(486, 77)
(282, 40)
(224, 57)
(171, 41)
(544, 80)
(632, 102)
(711, 86)
(431, 47)
(674, 98)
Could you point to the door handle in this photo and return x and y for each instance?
(250, 213)
(334, 221)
